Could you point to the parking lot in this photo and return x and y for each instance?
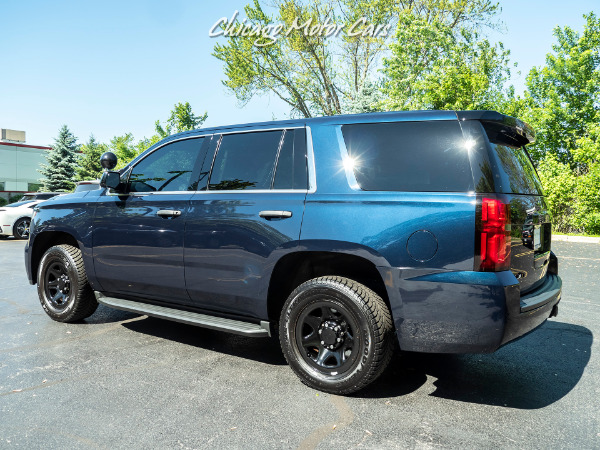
(123, 380)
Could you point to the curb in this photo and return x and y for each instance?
(586, 239)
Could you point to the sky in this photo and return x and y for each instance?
(111, 67)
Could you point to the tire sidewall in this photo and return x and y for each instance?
(304, 297)
(52, 255)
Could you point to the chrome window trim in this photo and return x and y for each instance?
(310, 155)
(350, 176)
(276, 165)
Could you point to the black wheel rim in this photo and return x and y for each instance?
(327, 337)
(57, 286)
(23, 228)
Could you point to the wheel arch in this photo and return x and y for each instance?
(295, 268)
(46, 239)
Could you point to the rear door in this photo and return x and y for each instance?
(247, 216)
(138, 237)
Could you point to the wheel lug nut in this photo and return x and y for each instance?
(322, 342)
(339, 339)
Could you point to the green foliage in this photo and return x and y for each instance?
(14, 198)
(564, 95)
(3, 201)
(59, 173)
(124, 147)
(88, 164)
(367, 99)
(320, 73)
(432, 66)
(562, 102)
(559, 185)
(182, 118)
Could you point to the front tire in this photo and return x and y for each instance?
(21, 228)
(63, 287)
(336, 334)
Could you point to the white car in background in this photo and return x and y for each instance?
(16, 217)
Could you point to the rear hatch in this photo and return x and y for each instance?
(503, 171)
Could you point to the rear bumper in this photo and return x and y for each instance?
(465, 312)
(525, 313)
(6, 230)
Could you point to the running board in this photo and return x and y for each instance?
(188, 317)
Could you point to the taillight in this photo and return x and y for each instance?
(492, 236)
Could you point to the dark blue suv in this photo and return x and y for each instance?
(344, 235)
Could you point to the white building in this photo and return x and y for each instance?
(19, 163)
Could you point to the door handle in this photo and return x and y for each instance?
(275, 214)
(164, 213)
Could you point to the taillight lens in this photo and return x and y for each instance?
(492, 236)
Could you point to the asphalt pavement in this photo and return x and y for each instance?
(123, 380)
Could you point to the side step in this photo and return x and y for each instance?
(190, 318)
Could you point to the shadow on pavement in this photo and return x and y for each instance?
(104, 314)
(531, 373)
(263, 350)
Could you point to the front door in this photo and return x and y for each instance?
(138, 238)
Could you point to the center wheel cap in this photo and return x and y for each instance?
(332, 334)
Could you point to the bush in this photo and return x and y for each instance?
(3, 201)
(15, 198)
(573, 199)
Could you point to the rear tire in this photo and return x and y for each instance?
(21, 228)
(63, 287)
(336, 334)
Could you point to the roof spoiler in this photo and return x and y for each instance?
(513, 128)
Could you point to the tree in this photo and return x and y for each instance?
(367, 99)
(59, 173)
(564, 95)
(433, 67)
(320, 73)
(88, 164)
(562, 102)
(182, 118)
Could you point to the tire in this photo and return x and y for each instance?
(336, 334)
(21, 228)
(63, 287)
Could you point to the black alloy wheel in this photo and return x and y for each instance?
(326, 334)
(336, 334)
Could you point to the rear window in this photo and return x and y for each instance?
(409, 156)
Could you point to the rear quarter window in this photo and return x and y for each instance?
(409, 156)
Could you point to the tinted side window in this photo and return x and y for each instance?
(409, 156)
(167, 169)
(291, 165)
(245, 161)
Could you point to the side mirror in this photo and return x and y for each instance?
(108, 160)
(110, 180)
